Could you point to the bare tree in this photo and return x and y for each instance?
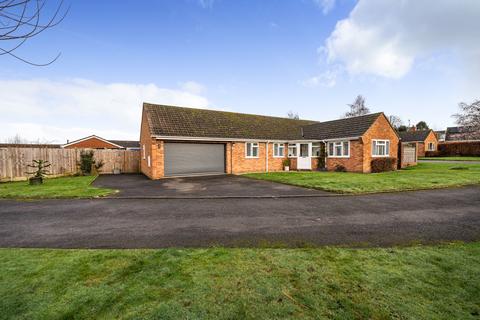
(469, 118)
(293, 115)
(358, 108)
(17, 139)
(395, 121)
(21, 20)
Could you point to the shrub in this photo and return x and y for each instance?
(87, 162)
(286, 162)
(383, 164)
(340, 168)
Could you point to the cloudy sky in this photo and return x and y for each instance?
(413, 59)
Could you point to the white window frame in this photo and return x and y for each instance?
(143, 152)
(319, 149)
(149, 162)
(292, 146)
(251, 145)
(432, 148)
(387, 150)
(339, 143)
(280, 147)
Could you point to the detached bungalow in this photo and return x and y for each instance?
(426, 140)
(178, 141)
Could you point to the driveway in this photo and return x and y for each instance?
(381, 219)
(139, 186)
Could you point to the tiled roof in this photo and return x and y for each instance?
(411, 136)
(341, 128)
(126, 143)
(188, 122)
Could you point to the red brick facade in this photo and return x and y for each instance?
(236, 161)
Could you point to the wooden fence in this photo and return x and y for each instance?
(14, 161)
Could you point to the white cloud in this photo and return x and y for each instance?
(326, 79)
(387, 37)
(60, 110)
(193, 87)
(325, 5)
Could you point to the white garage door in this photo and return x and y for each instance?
(194, 158)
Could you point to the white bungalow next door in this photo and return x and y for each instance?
(304, 160)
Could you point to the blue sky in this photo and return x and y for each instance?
(266, 57)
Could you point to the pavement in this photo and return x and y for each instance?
(369, 220)
(218, 186)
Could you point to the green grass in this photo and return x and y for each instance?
(422, 176)
(65, 187)
(451, 158)
(437, 282)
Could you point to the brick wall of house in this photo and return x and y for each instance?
(354, 163)
(242, 164)
(153, 149)
(422, 147)
(92, 143)
(380, 129)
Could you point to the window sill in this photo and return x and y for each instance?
(252, 157)
(385, 156)
(339, 157)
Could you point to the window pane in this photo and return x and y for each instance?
(387, 149)
(345, 148)
(281, 150)
(330, 149)
(255, 151)
(249, 149)
(292, 150)
(338, 150)
(275, 149)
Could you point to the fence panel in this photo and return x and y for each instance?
(14, 161)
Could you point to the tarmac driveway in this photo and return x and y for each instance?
(380, 219)
(139, 186)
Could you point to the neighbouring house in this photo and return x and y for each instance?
(441, 134)
(96, 142)
(177, 141)
(425, 140)
(462, 134)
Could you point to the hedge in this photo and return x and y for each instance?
(456, 148)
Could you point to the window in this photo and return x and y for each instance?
(380, 148)
(143, 149)
(278, 150)
(251, 150)
(339, 149)
(292, 150)
(148, 161)
(431, 146)
(316, 149)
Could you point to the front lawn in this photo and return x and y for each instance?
(422, 176)
(65, 187)
(437, 282)
(451, 158)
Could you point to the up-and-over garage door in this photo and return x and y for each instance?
(194, 158)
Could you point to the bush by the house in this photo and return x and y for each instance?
(340, 168)
(383, 164)
(87, 162)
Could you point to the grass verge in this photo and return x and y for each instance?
(422, 176)
(64, 187)
(432, 282)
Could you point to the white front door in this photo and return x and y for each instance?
(304, 160)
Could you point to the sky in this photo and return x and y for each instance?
(413, 59)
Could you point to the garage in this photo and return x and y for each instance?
(183, 159)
